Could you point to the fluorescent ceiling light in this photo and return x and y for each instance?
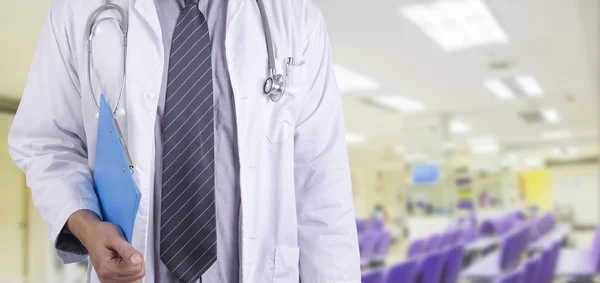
(399, 149)
(459, 127)
(456, 24)
(349, 81)
(557, 151)
(498, 88)
(551, 115)
(352, 138)
(529, 85)
(569, 151)
(533, 162)
(448, 145)
(554, 135)
(416, 156)
(399, 103)
(485, 148)
(484, 140)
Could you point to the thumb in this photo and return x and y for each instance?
(127, 251)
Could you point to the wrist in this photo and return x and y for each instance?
(81, 224)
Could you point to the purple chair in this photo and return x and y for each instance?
(532, 269)
(432, 243)
(402, 272)
(416, 248)
(452, 265)
(547, 232)
(375, 276)
(376, 225)
(468, 235)
(549, 266)
(508, 252)
(455, 237)
(382, 246)
(366, 245)
(362, 226)
(514, 277)
(487, 228)
(495, 264)
(580, 263)
(445, 240)
(431, 268)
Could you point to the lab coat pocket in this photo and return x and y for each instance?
(281, 114)
(280, 127)
(286, 265)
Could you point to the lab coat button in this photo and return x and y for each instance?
(148, 96)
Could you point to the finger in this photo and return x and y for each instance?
(133, 278)
(127, 252)
(121, 268)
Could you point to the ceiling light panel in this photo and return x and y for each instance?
(499, 88)
(484, 140)
(529, 85)
(399, 149)
(418, 156)
(550, 115)
(555, 135)
(485, 148)
(459, 127)
(456, 24)
(350, 81)
(353, 138)
(399, 103)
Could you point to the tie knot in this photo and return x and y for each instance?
(191, 2)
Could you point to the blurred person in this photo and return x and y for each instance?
(237, 186)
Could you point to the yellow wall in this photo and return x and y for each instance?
(25, 246)
(12, 210)
(537, 187)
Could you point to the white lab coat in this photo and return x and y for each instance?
(296, 214)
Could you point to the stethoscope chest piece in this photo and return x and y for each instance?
(275, 87)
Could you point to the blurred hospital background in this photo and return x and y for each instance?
(472, 128)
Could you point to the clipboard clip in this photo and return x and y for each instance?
(123, 145)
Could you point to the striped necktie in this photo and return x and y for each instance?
(188, 225)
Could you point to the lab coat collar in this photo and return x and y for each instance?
(147, 9)
(233, 7)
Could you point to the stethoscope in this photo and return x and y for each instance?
(274, 86)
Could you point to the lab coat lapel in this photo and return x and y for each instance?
(147, 10)
(247, 65)
(145, 60)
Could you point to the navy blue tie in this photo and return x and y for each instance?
(188, 225)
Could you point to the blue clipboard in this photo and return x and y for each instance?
(117, 192)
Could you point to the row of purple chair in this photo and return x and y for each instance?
(502, 225)
(373, 247)
(441, 266)
(436, 242)
(542, 226)
(496, 263)
(539, 268)
(547, 231)
(367, 225)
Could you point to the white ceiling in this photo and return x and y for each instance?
(556, 41)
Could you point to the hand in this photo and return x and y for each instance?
(113, 258)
